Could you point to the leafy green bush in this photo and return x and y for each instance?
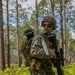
(69, 69)
(14, 70)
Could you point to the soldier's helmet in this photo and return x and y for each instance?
(50, 19)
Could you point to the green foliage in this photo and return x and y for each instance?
(68, 70)
(15, 71)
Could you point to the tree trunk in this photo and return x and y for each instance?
(61, 25)
(68, 53)
(61, 28)
(64, 28)
(52, 6)
(19, 58)
(37, 31)
(2, 56)
(8, 41)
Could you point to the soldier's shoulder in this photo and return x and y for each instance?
(42, 34)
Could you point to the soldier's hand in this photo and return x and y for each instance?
(52, 53)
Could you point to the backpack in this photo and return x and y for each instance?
(39, 47)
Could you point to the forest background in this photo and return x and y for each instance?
(18, 15)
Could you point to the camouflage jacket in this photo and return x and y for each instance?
(26, 45)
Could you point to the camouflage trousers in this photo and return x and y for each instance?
(39, 69)
(42, 72)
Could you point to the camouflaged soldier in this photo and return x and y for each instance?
(40, 66)
(49, 26)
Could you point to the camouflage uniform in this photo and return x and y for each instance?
(41, 66)
(38, 66)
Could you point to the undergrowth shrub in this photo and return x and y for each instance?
(14, 70)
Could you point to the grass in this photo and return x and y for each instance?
(14, 70)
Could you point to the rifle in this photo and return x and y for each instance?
(59, 60)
